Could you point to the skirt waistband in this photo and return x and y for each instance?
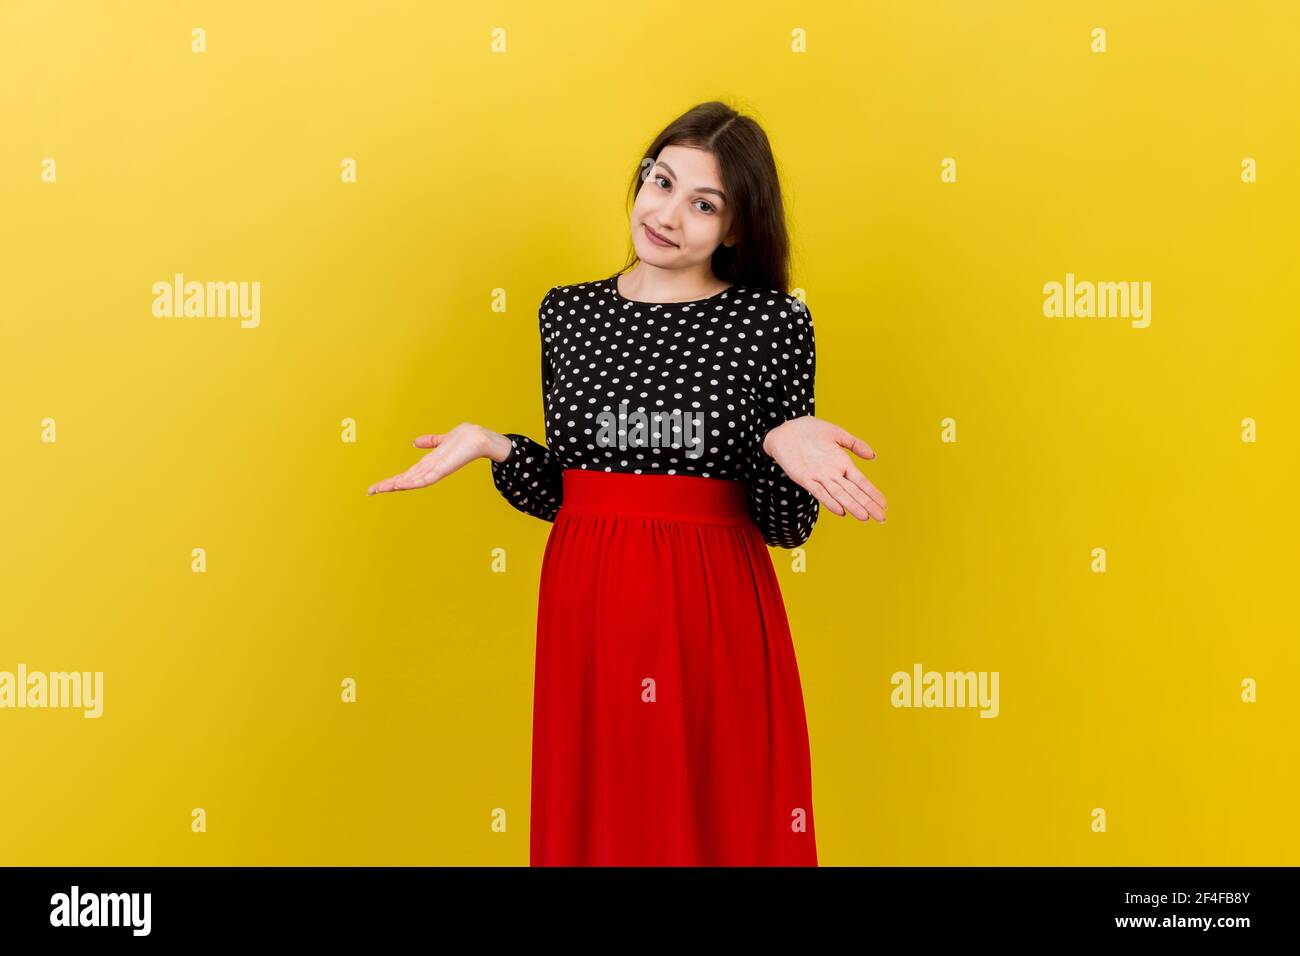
(673, 497)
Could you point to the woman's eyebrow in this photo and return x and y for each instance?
(698, 189)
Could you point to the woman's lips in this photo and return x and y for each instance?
(657, 239)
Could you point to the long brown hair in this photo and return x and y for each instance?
(760, 257)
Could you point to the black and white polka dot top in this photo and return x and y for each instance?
(671, 388)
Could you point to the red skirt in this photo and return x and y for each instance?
(668, 718)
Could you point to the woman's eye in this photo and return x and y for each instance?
(664, 179)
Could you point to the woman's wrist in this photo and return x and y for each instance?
(499, 447)
(766, 446)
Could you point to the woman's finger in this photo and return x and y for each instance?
(412, 479)
(426, 473)
(844, 503)
(820, 492)
(381, 486)
(429, 441)
(398, 481)
(859, 479)
(857, 502)
(856, 445)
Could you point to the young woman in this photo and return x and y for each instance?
(668, 716)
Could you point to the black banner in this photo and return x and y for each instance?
(368, 904)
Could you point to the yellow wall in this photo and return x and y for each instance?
(479, 171)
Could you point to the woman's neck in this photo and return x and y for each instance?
(652, 284)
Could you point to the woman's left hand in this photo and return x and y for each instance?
(814, 453)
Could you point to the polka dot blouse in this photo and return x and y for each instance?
(669, 388)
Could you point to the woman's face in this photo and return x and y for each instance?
(681, 200)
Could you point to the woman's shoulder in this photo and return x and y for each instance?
(771, 303)
(573, 290)
(567, 298)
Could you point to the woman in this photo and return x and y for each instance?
(668, 718)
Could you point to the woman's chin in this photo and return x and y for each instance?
(653, 254)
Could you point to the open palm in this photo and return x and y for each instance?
(814, 453)
(451, 451)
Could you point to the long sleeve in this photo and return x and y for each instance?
(531, 477)
(783, 510)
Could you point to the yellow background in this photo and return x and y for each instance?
(481, 170)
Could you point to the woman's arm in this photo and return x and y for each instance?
(526, 474)
(804, 461)
(781, 508)
(529, 476)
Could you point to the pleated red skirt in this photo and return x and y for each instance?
(668, 717)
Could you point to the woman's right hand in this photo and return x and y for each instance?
(451, 451)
